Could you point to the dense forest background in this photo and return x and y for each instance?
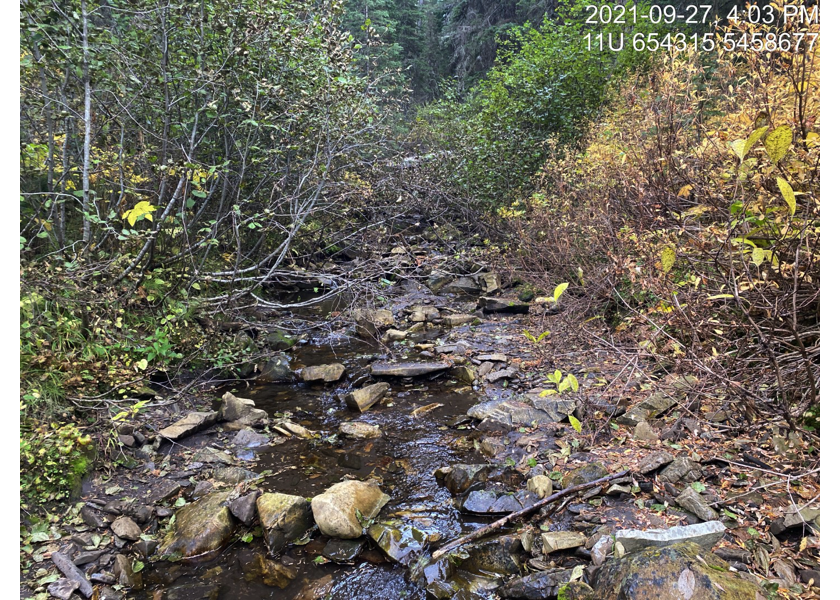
(179, 161)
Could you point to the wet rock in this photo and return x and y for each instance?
(675, 572)
(585, 474)
(492, 357)
(654, 460)
(704, 535)
(127, 529)
(464, 374)
(94, 518)
(244, 508)
(421, 313)
(682, 469)
(276, 369)
(280, 341)
(72, 572)
(508, 414)
(601, 549)
(202, 488)
(810, 577)
(462, 285)
(145, 548)
(645, 432)
(495, 555)
(363, 399)
(503, 305)
(553, 541)
(126, 577)
(437, 280)
(369, 321)
(234, 408)
(493, 502)
(87, 556)
(491, 447)
(192, 423)
(536, 586)
(694, 502)
(394, 335)
(233, 475)
(163, 490)
(335, 510)
(501, 374)
(489, 282)
(400, 542)
(284, 518)
(455, 320)
(407, 369)
(213, 456)
(103, 577)
(139, 512)
(63, 588)
(249, 438)
(270, 572)
(359, 431)
(323, 373)
(200, 527)
(541, 485)
(343, 551)
(459, 477)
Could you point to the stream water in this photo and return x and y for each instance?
(403, 462)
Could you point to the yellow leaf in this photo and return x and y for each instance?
(575, 423)
(777, 142)
(573, 380)
(757, 256)
(558, 291)
(668, 258)
(720, 296)
(685, 191)
(787, 194)
(738, 147)
(754, 137)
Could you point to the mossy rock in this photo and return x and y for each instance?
(675, 572)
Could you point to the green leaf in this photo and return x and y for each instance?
(575, 423)
(698, 487)
(180, 502)
(757, 256)
(787, 193)
(558, 291)
(573, 381)
(668, 258)
(137, 566)
(777, 142)
(739, 148)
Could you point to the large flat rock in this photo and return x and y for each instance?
(406, 369)
(704, 535)
(192, 423)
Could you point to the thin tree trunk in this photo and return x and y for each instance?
(88, 128)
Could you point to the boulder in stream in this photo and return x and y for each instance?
(359, 431)
(284, 518)
(280, 341)
(370, 321)
(323, 373)
(503, 305)
(459, 477)
(363, 399)
(495, 502)
(200, 527)
(276, 369)
(400, 542)
(335, 510)
(675, 572)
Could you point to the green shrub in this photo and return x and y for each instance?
(53, 460)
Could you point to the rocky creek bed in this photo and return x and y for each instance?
(340, 467)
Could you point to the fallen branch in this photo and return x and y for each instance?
(496, 525)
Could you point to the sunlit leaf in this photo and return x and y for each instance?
(777, 142)
(668, 258)
(787, 193)
(558, 291)
(575, 423)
